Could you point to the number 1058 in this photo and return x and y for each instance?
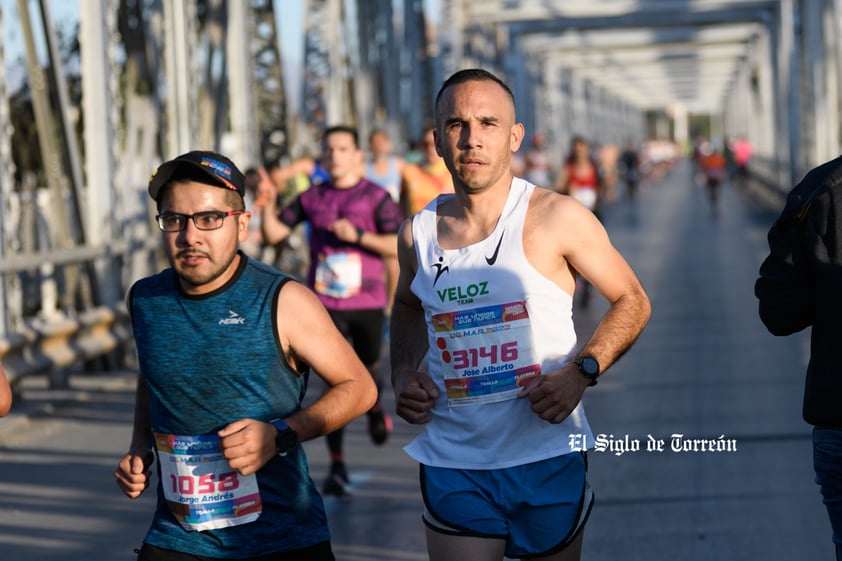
(204, 484)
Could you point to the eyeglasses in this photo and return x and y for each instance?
(208, 220)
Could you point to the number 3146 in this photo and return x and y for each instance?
(469, 358)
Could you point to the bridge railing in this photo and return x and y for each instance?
(767, 172)
(48, 327)
(50, 345)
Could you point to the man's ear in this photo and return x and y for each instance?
(518, 132)
(436, 142)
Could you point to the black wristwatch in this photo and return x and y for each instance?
(589, 367)
(286, 439)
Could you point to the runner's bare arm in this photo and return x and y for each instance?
(280, 175)
(415, 392)
(132, 473)
(582, 246)
(383, 244)
(309, 337)
(589, 251)
(274, 231)
(562, 182)
(5, 393)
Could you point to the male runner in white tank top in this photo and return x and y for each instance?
(485, 293)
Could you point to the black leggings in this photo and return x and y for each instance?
(364, 328)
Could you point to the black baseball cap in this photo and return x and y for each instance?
(218, 169)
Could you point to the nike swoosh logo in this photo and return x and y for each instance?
(493, 259)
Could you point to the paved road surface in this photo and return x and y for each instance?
(705, 368)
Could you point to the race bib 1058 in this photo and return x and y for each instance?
(201, 489)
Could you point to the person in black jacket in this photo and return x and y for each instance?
(800, 285)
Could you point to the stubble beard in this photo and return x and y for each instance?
(474, 187)
(474, 183)
(192, 276)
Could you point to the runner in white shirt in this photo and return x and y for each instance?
(485, 290)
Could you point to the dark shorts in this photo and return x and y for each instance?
(364, 328)
(318, 552)
(538, 508)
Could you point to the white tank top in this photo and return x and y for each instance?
(493, 322)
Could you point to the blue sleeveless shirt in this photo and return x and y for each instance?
(213, 359)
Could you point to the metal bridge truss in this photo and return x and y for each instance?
(156, 82)
(765, 70)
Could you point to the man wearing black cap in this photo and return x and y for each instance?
(225, 345)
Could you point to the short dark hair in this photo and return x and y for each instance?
(342, 128)
(471, 75)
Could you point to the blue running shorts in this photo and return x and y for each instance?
(538, 508)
